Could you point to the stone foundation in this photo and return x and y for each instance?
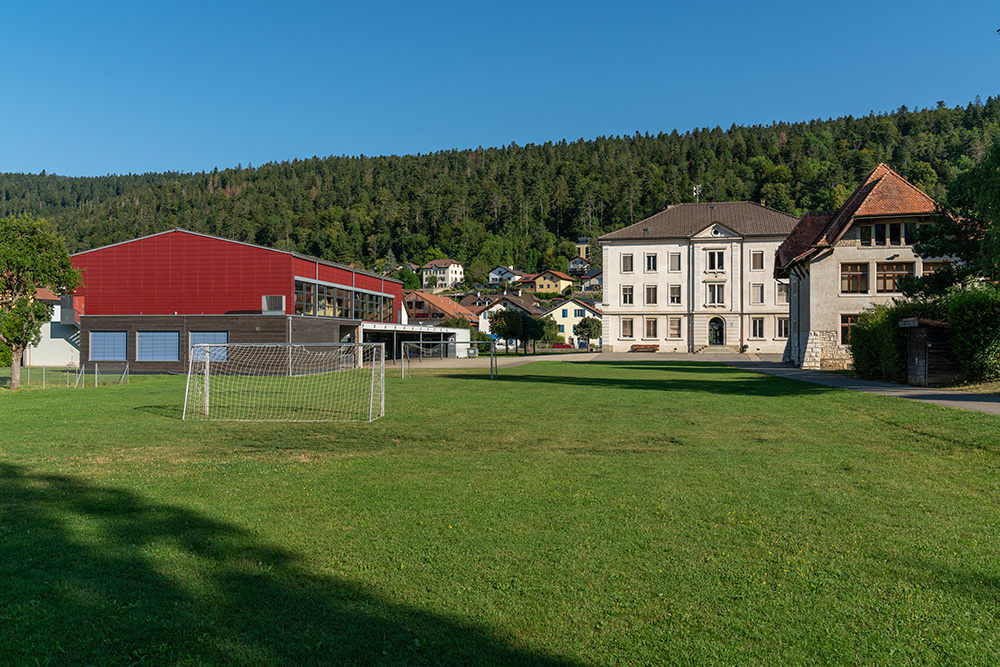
(824, 353)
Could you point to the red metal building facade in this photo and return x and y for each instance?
(181, 281)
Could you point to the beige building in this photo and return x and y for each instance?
(442, 274)
(840, 262)
(697, 276)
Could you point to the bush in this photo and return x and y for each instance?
(974, 315)
(5, 356)
(878, 345)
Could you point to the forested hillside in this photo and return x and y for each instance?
(516, 205)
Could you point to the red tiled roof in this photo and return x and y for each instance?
(685, 220)
(443, 304)
(557, 274)
(882, 193)
(45, 294)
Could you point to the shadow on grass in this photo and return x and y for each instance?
(97, 575)
(649, 375)
(167, 411)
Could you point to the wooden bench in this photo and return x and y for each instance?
(645, 348)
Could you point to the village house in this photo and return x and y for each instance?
(442, 273)
(841, 262)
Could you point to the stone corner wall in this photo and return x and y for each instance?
(824, 353)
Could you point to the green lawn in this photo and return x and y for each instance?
(567, 513)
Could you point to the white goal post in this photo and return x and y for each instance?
(286, 382)
(466, 353)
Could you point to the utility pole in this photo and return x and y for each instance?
(697, 193)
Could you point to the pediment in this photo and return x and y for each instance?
(716, 230)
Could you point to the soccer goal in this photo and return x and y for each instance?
(466, 354)
(286, 382)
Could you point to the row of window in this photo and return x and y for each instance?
(715, 260)
(882, 234)
(149, 345)
(329, 301)
(888, 276)
(715, 294)
(651, 326)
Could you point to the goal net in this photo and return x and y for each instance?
(286, 382)
(451, 354)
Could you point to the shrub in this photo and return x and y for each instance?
(5, 356)
(878, 345)
(974, 315)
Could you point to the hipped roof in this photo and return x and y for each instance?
(685, 220)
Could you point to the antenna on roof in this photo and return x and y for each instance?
(697, 193)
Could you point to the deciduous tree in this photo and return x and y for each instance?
(32, 255)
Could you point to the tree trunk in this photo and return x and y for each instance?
(15, 366)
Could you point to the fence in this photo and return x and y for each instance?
(68, 377)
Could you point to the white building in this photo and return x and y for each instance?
(504, 274)
(840, 262)
(697, 276)
(442, 273)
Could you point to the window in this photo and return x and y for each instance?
(675, 295)
(627, 295)
(854, 278)
(930, 267)
(157, 346)
(756, 327)
(305, 298)
(565, 312)
(757, 293)
(716, 260)
(889, 274)
(781, 296)
(674, 327)
(782, 328)
(107, 346)
(866, 235)
(273, 303)
(879, 234)
(626, 263)
(208, 338)
(757, 260)
(675, 262)
(627, 327)
(578, 312)
(651, 262)
(650, 327)
(343, 303)
(650, 295)
(716, 294)
(562, 328)
(846, 322)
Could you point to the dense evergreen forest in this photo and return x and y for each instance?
(518, 205)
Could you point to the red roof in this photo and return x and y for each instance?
(439, 263)
(882, 193)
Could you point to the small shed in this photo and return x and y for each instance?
(929, 360)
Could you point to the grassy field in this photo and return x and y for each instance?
(565, 514)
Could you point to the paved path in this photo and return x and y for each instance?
(769, 364)
(989, 403)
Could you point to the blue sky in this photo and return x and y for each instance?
(115, 87)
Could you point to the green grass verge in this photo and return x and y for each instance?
(567, 513)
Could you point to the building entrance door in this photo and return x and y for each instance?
(716, 331)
